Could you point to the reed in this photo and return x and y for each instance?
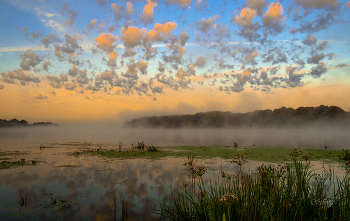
(285, 192)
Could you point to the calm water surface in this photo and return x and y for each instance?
(94, 188)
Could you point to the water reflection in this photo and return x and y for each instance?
(62, 186)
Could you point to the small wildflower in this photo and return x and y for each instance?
(306, 156)
(196, 171)
(223, 174)
(200, 193)
(296, 152)
(239, 160)
(228, 198)
(262, 173)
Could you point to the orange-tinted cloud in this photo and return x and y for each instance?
(251, 57)
(160, 31)
(245, 19)
(147, 15)
(105, 42)
(132, 36)
(112, 59)
(129, 8)
(274, 15)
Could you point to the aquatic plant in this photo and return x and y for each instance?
(344, 154)
(23, 199)
(152, 148)
(292, 192)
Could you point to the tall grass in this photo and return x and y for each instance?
(292, 192)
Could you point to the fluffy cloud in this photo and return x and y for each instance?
(30, 59)
(132, 36)
(19, 75)
(46, 65)
(319, 70)
(31, 36)
(92, 24)
(6, 78)
(108, 75)
(71, 14)
(177, 53)
(105, 42)
(200, 62)
(40, 97)
(161, 67)
(112, 59)
(182, 3)
(250, 58)
(204, 25)
(118, 11)
(257, 5)
(73, 71)
(49, 39)
(160, 32)
(318, 4)
(274, 15)
(311, 40)
(315, 59)
(143, 67)
(56, 82)
(70, 86)
(183, 38)
(129, 8)
(321, 23)
(147, 16)
(134, 67)
(69, 47)
(102, 2)
(322, 46)
(245, 19)
(293, 80)
(181, 74)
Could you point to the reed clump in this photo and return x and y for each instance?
(344, 154)
(285, 192)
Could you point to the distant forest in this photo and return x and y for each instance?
(22, 123)
(282, 117)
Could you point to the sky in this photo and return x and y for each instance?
(104, 60)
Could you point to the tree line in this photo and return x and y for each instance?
(281, 117)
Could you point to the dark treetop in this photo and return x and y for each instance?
(282, 117)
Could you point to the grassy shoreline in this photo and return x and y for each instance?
(264, 154)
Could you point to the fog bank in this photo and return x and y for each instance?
(306, 137)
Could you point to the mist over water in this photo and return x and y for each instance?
(307, 137)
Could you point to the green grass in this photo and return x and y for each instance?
(10, 153)
(12, 164)
(264, 154)
(131, 154)
(283, 193)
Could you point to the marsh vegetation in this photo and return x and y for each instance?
(285, 192)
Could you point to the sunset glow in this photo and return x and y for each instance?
(102, 60)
